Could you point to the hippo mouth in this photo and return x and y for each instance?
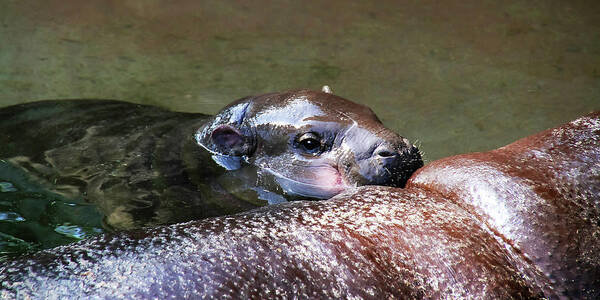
(315, 181)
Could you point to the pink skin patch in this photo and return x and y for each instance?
(322, 181)
(329, 178)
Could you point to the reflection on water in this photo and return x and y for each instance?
(76, 231)
(32, 218)
(10, 217)
(7, 187)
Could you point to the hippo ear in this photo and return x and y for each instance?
(228, 140)
(327, 89)
(227, 134)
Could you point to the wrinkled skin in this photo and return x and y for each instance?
(144, 165)
(517, 222)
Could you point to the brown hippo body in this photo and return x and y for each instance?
(540, 195)
(517, 222)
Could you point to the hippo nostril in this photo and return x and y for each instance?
(385, 153)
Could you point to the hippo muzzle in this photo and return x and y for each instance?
(388, 166)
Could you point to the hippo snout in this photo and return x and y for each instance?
(393, 163)
(390, 163)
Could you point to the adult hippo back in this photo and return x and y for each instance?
(144, 165)
(517, 222)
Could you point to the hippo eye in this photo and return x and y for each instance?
(309, 143)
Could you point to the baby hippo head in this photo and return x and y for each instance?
(313, 144)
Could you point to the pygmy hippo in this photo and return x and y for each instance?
(144, 165)
(521, 221)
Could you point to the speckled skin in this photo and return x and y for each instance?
(441, 237)
(541, 196)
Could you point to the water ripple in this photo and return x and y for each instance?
(77, 232)
(6, 187)
(10, 217)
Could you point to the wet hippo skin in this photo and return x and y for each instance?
(144, 165)
(541, 196)
(517, 222)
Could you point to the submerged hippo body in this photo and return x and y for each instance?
(143, 165)
(519, 222)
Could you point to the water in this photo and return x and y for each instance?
(32, 218)
(458, 76)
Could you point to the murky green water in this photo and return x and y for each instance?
(458, 76)
(32, 218)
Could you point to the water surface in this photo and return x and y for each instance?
(458, 76)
